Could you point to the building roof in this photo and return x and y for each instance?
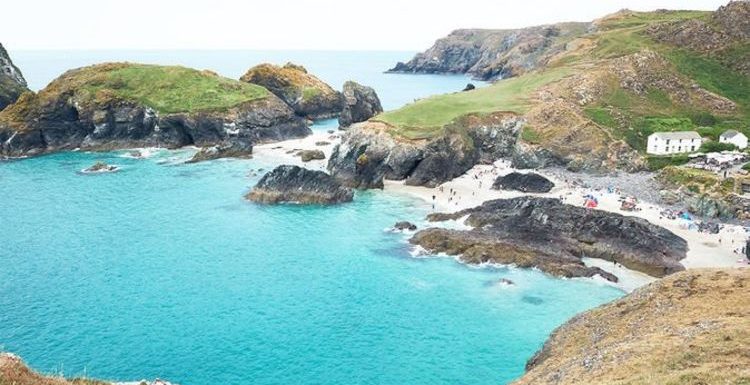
(729, 134)
(677, 135)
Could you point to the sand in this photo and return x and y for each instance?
(473, 188)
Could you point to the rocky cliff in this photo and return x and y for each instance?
(552, 236)
(12, 83)
(120, 105)
(688, 328)
(360, 103)
(293, 184)
(494, 54)
(308, 96)
(13, 371)
(369, 153)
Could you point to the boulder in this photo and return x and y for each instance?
(404, 225)
(529, 182)
(307, 95)
(552, 236)
(293, 184)
(308, 155)
(360, 103)
(100, 167)
(469, 87)
(12, 83)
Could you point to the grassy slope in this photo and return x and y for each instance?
(426, 117)
(619, 35)
(167, 89)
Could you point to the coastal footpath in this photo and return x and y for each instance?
(688, 328)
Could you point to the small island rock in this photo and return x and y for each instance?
(293, 184)
(100, 167)
(308, 155)
(404, 225)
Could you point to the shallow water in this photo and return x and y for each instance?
(162, 269)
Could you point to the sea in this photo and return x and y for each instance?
(164, 270)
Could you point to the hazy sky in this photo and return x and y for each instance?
(284, 24)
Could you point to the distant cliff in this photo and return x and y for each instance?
(489, 54)
(12, 83)
(688, 328)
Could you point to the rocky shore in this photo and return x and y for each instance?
(293, 184)
(554, 237)
(12, 83)
(687, 328)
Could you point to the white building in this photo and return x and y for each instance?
(734, 137)
(665, 143)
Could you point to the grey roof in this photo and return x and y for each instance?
(729, 134)
(677, 135)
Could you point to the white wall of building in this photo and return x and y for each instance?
(660, 146)
(739, 140)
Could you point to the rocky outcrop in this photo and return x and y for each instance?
(13, 371)
(552, 236)
(688, 328)
(360, 103)
(404, 225)
(369, 153)
(494, 54)
(308, 96)
(529, 182)
(94, 108)
(238, 149)
(12, 83)
(293, 184)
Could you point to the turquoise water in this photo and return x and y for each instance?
(163, 270)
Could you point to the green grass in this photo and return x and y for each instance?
(309, 93)
(659, 162)
(426, 118)
(167, 89)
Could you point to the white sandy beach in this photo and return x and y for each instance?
(473, 188)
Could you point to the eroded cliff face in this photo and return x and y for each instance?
(12, 83)
(688, 328)
(370, 153)
(494, 54)
(76, 111)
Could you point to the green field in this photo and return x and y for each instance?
(426, 118)
(167, 89)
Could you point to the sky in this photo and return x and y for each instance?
(407, 25)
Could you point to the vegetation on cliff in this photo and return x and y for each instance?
(12, 83)
(593, 101)
(688, 328)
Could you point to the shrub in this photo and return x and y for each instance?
(713, 146)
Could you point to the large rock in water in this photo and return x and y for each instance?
(117, 105)
(360, 103)
(308, 96)
(12, 83)
(370, 153)
(550, 235)
(295, 184)
(688, 328)
(529, 182)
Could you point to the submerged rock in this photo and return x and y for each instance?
(307, 95)
(293, 184)
(360, 103)
(529, 182)
(235, 149)
(308, 155)
(12, 83)
(404, 225)
(552, 236)
(100, 167)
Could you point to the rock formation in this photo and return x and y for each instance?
(12, 83)
(494, 54)
(236, 149)
(308, 155)
(117, 105)
(688, 328)
(308, 96)
(13, 371)
(529, 182)
(404, 225)
(293, 184)
(360, 103)
(552, 236)
(369, 153)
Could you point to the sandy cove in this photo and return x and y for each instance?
(474, 188)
